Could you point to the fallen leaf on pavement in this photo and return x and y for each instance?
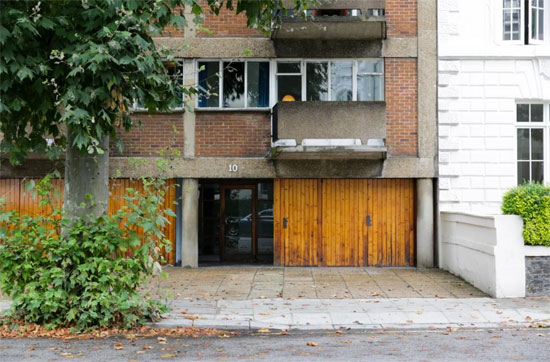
(311, 344)
(119, 346)
(161, 340)
(263, 330)
(168, 355)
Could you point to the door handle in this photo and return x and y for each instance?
(285, 222)
(368, 220)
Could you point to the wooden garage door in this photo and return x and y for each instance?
(338, 222)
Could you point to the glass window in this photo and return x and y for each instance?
(511, 19)
(289, 81)
(370, 81)
(341, 74)
(175, 71)
(317, 81)
(531, 138)
(209, 84)
(258, 84)
(536, 18)
(233, 84)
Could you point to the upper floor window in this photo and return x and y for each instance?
(174, 68)
(523, 21)
(334, 80)
(233, 84)
(533, 128)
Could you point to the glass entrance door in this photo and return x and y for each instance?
(239, 223)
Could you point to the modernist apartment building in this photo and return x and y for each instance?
(314, 145)
(494, 100)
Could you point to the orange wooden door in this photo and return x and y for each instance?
(344, 222)
(391, 234)
(296, 219)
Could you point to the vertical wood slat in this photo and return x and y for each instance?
(327, 222)
(17, 198)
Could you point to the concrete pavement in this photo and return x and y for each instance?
(331, 314)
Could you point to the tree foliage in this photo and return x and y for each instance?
(80, 64)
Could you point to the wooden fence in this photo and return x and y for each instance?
(18, 198)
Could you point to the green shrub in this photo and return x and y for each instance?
(60, 273)
(532, 202)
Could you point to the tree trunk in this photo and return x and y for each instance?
(86, 174)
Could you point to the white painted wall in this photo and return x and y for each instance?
(486, 251)
(480, 80)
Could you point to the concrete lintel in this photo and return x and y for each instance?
(400, 47)
(328, 152)
(218, 47)
(332, 28)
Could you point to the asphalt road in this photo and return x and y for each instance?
(473, 345)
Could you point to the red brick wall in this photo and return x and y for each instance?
(154, 135)
(401, 18)
(172, 31)
(226, 24)
(226, 134)
(401, 106)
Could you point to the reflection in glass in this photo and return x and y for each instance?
(317, 81)
(537, 169)
(536, 112)
(233, 84)
(523, 144)
(341, 81)
(523, 113)
(370, 88)
(523, 172)
(537, 148)
(288, 67)
(238, 221)
(258, 84)
(209, 83)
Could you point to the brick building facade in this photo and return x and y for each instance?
(316, 144)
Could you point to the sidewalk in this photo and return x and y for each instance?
(389, 313)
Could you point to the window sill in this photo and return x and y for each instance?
(267, 109)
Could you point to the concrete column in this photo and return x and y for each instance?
(190, 223)
(189, 114)
(424, 223)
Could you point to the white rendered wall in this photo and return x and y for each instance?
(486, 251)
(480, 80)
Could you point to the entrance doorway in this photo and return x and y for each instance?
(236, 222)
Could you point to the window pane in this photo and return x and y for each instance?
(534, 23)
(515, 24)
(523, 172)
(536, 112)
(341, 74)
(523, 144)
(370, 66)
(506, 3)
(370, 88)
(537, 148)
(317, 81)
(209, 82)
(258, 84)
(537, 169)
(523, 113)
(175, 70)
(288, 67)
(233, 84)
(289, 87)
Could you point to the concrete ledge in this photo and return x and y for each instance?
(531, 250)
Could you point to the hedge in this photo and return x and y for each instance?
(531, 201)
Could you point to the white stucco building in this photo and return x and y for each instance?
(494, 100)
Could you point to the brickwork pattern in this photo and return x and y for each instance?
(401, 106)
(155, 134)
(226, 24)
(223, 134)
(172, 31)
(537, 275)
(401, 18)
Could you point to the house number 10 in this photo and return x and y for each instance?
(233, 167)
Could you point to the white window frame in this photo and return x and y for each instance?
(220, 90)
(303, 73)
(544, 21)
(521, 39)
(545, 126)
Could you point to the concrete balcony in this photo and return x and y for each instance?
(329, 130)
(360, 27)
